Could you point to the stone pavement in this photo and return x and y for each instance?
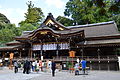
(7, 74)
(92, 75)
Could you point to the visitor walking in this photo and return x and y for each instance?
(26, 67)
(83, 62)
(33, 66)
(37, 66)
(53, 67)
(76, 67)
(15, 66)
(49, 64)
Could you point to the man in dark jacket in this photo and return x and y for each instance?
(26, 67)
(53, 67)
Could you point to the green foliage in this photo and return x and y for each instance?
(80, 11)
(116, 18)
(65, 21)
(3, 19)
(27, 27)
(6, 35)
(91, 11)
(69, 65)
(8, 32)
(33, 15)
(113, 5)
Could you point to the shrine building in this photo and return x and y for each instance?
(98, 43)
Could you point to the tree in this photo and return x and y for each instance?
(6, 35)
(27, 27)
(81, 11)
(33, 15)
(65, 21)
(8, 32)
(3, 19)
(116, 18)
(89, 11)
(13, 28)
(114, 6)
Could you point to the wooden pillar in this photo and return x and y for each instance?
(20, 54)
(31, 52)
(3, 54)
(57, 50)
(82, 52)
(41, 51)
(69, 43)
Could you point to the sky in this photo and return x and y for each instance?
(14, 9)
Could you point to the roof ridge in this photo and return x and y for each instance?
(89, 25)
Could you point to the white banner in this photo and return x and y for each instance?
(51, 46)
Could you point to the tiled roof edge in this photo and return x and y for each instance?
(89, 25)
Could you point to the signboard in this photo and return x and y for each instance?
(11, 55)
(71, 53)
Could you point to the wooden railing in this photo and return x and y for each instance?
(88, 58)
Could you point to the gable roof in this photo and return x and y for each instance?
(98, 29)
(50, 19)
(29, 34)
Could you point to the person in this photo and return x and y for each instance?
(33, 66)
(49, 65)
(53, 67)
(26, 67)
(40, 64)
(83, 62)
(37, 66)
(76, 67)
(16, 66)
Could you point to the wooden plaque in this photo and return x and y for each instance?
(72, 54)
